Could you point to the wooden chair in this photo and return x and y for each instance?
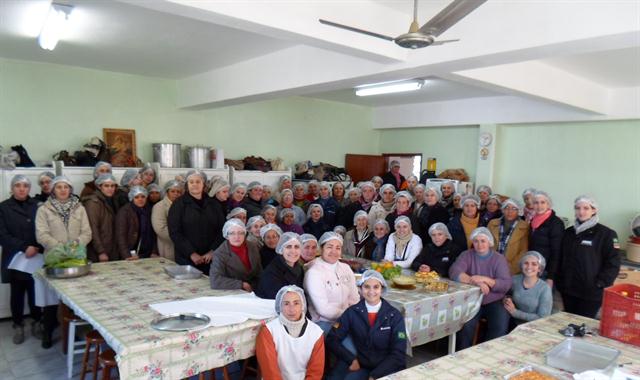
(247, 367)
(107, 360)
(93, 338)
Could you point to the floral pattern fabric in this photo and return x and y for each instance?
(526, 345)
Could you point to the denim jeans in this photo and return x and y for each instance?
(497, 324)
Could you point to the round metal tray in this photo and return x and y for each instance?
(68, 272)
(181, 322)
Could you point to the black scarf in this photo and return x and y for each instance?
(145, 230)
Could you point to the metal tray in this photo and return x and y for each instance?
(181, 322)
(183, 272)
(68, 272)
(575, 355)
(531, 367)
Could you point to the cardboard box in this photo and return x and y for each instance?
(628, 275)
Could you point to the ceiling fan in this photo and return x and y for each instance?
(419, 37)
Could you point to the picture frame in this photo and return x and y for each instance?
(122, 144)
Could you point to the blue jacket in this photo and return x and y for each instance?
(457, 232)
(330, 208)
(382, 349)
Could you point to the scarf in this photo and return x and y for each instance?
(469, 224)
(145, 230)
(417, 207)
(387, 206)
(401, 246)
(365, 205)
(243, 254)
(64, 209)
(506, 230)
(447, 202)
(360, 240)
(379, 250)
(581, 227)
(538, 219)
(294, 328)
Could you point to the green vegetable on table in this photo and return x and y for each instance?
(66, 256)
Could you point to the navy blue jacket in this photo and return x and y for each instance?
(457, 232)
(382, 349)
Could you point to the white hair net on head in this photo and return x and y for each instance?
(231, 224)
(586, 199)
(97, 167)
(254, 185)
(528, 191)
(286, 211)
(354, 190)
(420, 186)
(235, 212)
(364, 184)
(137, 190)
(286, 238)
(254, 219)
(440, 227)
(173, 184)
(359, 214)
(339, 230)
(104, 178)
(325, 185)
(313, 206)
(434, 190)
(154, 187)
(383, 222)
(128, 176)
(61, 179)
(269, 227)
(286, 289)
(470, 198)
(404, 194)
(285, 192)
(372, 274)
(376, 178)
(299, 185)
(19, 178)
(304, 238)
(238, 185)
(484, 231)
(46, 174)
(387, 186)
(328, 236)
(514, 203)
(196, 172)
(402, 219)
(545, 195)
(484, 188)
(537, 255)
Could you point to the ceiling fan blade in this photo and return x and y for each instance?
(352, 29)
(449, 16)
(442, 42)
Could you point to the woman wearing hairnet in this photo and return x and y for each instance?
(254, 224)
(284, 269)
(236, 262)
(484, 267)
(290, 347)
(531, 298)
(134, 231)
(403, 245)
(101, 211)
(330, 284)
(432, 212)
(159, 214)
(546, 233)
(90, 187)
(510, 233)
(44, 181)
(315, 224)
(462, 225)
(309, 248)
(378, 333)
(358, 242)
(439, 253)
(589, 262)
(270, 235)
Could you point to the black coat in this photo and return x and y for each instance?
(267, 255)
(345, 214)
(415, 224)
(457, 231)
(547, 239)
(391, 180)
(276, 275)
(253, 207)
(588, 263)
(316, 228)
(430, 215)
(438, 258)
(194, 228)
(17, 230)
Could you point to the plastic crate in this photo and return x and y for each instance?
(620, 318)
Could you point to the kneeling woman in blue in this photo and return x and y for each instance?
(378, 333)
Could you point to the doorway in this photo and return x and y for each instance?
(410, 163)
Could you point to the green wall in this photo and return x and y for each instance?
(453, 147)
(49, 107)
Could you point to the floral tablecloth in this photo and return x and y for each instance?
(525, 345)
(430, 315)
(114, 298)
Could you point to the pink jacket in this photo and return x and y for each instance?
(330, 291)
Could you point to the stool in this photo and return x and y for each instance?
(93, 338)
(247, 367)
(108, 362)
(69, 336)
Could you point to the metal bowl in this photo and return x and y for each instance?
(71, 272)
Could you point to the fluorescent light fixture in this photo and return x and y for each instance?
(389, 87)
(54, 25)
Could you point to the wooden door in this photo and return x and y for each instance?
(361, 167)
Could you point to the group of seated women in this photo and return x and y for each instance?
(259, 239)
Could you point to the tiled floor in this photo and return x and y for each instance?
(28, 361)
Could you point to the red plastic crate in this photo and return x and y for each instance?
(620, 318)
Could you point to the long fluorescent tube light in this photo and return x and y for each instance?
(54, 25)
(389, 87)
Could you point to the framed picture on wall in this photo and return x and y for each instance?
(122, 143)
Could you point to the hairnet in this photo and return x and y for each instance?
(236, 211)
(218, 185)
(268, 188)
(104, 178)
(197, 172)
(269, 207)
(412, 176)
(364, 184)
(377, 178)
(285, 238)
(484, 188)
(512, 202)
(372, 274)
(434, 190)
(299, 185)
(270, 227)
(137, 190)
(19, 178)
(97, 167)
(285, 211)
(540, 193)
(420, 186)
(402, 219)
(148, 167)
(313, 182)
(61, 179)
(448, 182)
(45, 174)
(339, 230)
(588, 200)
(304, 238)
(254, 219)
(154, 187)
(286, 289)
(384, 223)
(286, 191)
(328, 236)
(470, 198)
(404, 194)
(528, 191)
(442, 228)
(230, 224)
(394, 163)
(324, 185)
(359, 214)
(283, 179)
(482, 231)
(496, 198)
(354, 190)
(312, 206)
(387, 186)
(254, 184)
(537, 255)
(128, 176)
(173, 184)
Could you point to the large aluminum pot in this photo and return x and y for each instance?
(198, 157)
(168, 155)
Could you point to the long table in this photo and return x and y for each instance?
(114, 298)
(527, 344)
